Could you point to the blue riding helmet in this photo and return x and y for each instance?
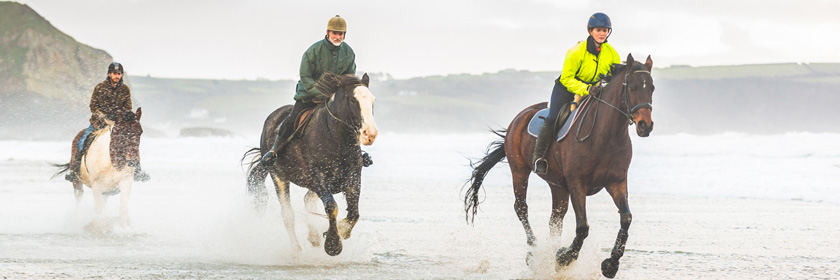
(599, 20)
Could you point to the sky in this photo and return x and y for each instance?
(262, 39)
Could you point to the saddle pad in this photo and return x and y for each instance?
(539, 118)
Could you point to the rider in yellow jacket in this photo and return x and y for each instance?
(584, 64)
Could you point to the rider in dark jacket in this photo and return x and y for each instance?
(332, 55)
(110, 98)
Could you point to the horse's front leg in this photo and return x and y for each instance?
(618, 192)
(345, 227)
(565, 256)
(282, 189)
(125, 193)
(332, 242)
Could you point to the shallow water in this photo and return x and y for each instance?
(193, 220)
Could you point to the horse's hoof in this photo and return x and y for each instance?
(608, 268)
(332, 244)
(565, 257)
(314, 238)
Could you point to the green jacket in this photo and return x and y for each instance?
(581, 68)
(320, 58)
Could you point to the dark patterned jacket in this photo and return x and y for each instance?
(107, 101)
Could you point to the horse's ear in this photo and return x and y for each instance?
(140, 112)
(630, 61)
(649, 63)
(366, 80)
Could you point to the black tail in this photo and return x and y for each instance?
(256, 179)
(64, 168)
(494, 154)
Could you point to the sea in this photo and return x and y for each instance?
(720, 206)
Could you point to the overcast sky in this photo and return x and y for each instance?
(249, 39)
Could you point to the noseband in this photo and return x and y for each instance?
(625, 99)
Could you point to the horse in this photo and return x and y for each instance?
(325, 159)
(578, 168)
(108, 166)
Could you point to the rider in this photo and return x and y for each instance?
(332, 55)
(583, 65)
(110, 98)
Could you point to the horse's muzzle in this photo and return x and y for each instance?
(643, 120)
(367, 135)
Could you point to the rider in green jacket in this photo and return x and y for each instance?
(332, 55)
(583, 65)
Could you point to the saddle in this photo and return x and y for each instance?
(301, 121)
(539, 118)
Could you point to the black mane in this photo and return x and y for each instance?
(330, 83)
(619, 68)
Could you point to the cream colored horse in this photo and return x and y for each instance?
(108, 166)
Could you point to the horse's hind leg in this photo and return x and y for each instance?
(618, 192)
(520, 205)
(78, 191)
(282, 189)
(310, 202)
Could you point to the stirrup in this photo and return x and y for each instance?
(540, 166)
(269, 158)
(71, 176)
(366, 159)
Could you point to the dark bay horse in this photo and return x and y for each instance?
(108, 166)
(325, 158)
(596, 157)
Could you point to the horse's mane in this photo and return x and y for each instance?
(618, 68)
(330, 83)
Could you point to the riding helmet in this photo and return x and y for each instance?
(337, 24)
(116, 67)
(599, 20)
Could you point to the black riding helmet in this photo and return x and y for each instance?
(116, 67)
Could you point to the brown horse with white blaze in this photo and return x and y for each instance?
(597, 158)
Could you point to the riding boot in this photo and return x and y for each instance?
(73, 172)
(279, 142)
(140, 175)
(366, 159)
(547, 133)
(543, 139)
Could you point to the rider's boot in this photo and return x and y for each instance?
(279, 142)
(547, 133)
(140, 175)
(366, 159)
(73, 171)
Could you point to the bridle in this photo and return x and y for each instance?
(347, 104)
(625, 99)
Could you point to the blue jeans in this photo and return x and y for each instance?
(82, 140)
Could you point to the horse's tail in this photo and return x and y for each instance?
(494, 154)
(63, 169)
(256, 179)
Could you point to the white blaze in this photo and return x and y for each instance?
(367, 133)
